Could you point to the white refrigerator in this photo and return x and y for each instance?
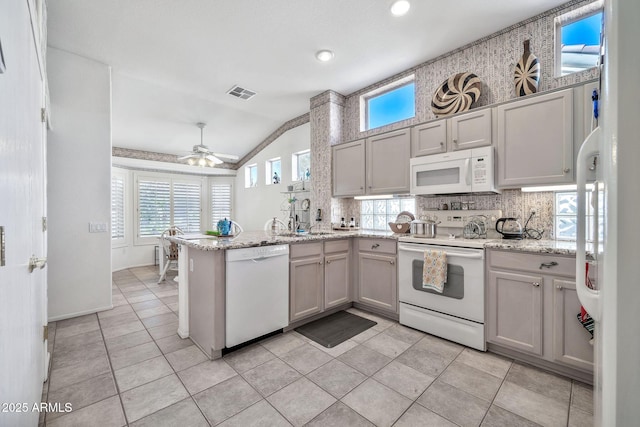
(615, 305)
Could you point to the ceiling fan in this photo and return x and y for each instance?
(202, 156)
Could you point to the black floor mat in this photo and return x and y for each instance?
(335, 328)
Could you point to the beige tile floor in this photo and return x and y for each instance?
(127, 366)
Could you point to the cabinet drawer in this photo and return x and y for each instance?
(385, 246)
(305, 250)
(535, 263)
(334, 246)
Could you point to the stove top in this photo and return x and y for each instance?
(446, 241)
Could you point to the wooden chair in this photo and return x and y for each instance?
(170, 250)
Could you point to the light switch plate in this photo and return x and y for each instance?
(97, 227)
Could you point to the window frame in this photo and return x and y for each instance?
(567, 19)
(295, 162)
(120, 241)
(247, 175)
(171, 179)
(268, 167)
(383, 90)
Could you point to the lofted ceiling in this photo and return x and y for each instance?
(173, 61)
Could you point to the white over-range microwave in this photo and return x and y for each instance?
(464, 171)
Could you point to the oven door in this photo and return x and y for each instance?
(463, 294)
(442, 177)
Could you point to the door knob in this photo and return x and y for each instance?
(566, 170)
(392, 262)
(536, 284)
(328, 261)
(36, 263)
(559, 287)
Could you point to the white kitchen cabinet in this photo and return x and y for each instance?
(515, 311)
(377, 283)
(570, 339)
(388, 162)
(535, 140)
(349, 169)
(532, 309)
(460, 132)
(319, 277)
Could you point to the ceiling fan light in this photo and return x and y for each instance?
(191, 162)
(211, 164)
(202, 162)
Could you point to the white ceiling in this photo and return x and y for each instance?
(174, 60)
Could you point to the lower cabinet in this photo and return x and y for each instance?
(532, 307)
(377, 282)
(318, 277)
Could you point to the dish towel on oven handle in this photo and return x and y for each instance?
(434, 271)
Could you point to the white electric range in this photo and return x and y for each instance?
(456, 314)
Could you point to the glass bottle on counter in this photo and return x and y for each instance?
(352, 223)
(342, 223)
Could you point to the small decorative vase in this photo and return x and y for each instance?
(527, 73)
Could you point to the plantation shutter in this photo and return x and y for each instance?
(220, 202)
(117, 207)
(186, 206)
(154, 207)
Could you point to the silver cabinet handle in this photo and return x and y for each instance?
(455, 141)
(375, 246)
(441, 144)
(548, 264)
(559, 287)
(536, 284)
(36, 263)
(320, 263)
(392, 262)
(566, 170)
(362, 188)
(328, 261)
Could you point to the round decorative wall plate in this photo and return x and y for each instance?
(306, 203)
(456, 94)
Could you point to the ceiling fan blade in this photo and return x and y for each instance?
(226, 156)
(214, 159)
(188, 156)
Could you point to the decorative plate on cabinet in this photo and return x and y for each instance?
(306, 203)
(456, 94)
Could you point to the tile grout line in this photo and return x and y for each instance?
(496, 395)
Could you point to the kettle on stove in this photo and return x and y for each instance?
(510, 228)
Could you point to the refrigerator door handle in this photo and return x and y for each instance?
(589, 298)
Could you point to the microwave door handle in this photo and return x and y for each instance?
(467, 166)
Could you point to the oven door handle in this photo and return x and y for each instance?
(478, 255)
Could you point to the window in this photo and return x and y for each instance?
(376, 214)
(566, 215)
(389, 104)
(164, 202)
(251, 176)
(578, 39)
(220, 202)
(273, 170)
(186, 206)
(117, 207)
(301, 165)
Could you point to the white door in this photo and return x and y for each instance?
(22, 177)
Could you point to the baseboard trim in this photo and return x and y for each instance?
(80, 313)
(134, 266)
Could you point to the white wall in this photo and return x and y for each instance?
(129, 253)
(22, 299)
(79, 185)
(255, 206)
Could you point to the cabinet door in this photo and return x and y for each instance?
(336, 280)
(429, 138)
(305, 283)
(377, 281)
(570, 338)
(515, 311)
(348, 169)
(535, 140)
(470, 130)
(388, 162)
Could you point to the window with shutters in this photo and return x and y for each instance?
(117, 208)
(220, 202)
(165, 202)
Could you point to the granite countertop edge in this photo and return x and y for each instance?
(252, 239)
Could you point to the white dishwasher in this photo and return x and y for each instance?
(257, 292)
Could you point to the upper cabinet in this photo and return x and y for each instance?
(348, 169)
(386, 157)
(461, 132)
(388, 162)
(535, 140)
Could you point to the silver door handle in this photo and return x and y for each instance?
(328, 261)
(36, 263)
(566, 170)
(320, 263)
(392, 262)
(375, 246)
(548, 264)
(559, 287)
(536, 284)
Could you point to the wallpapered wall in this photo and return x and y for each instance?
(493, 59)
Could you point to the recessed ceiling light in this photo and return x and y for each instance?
(400, 7)
(324, 55)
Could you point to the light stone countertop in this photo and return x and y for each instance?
(250, 239)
